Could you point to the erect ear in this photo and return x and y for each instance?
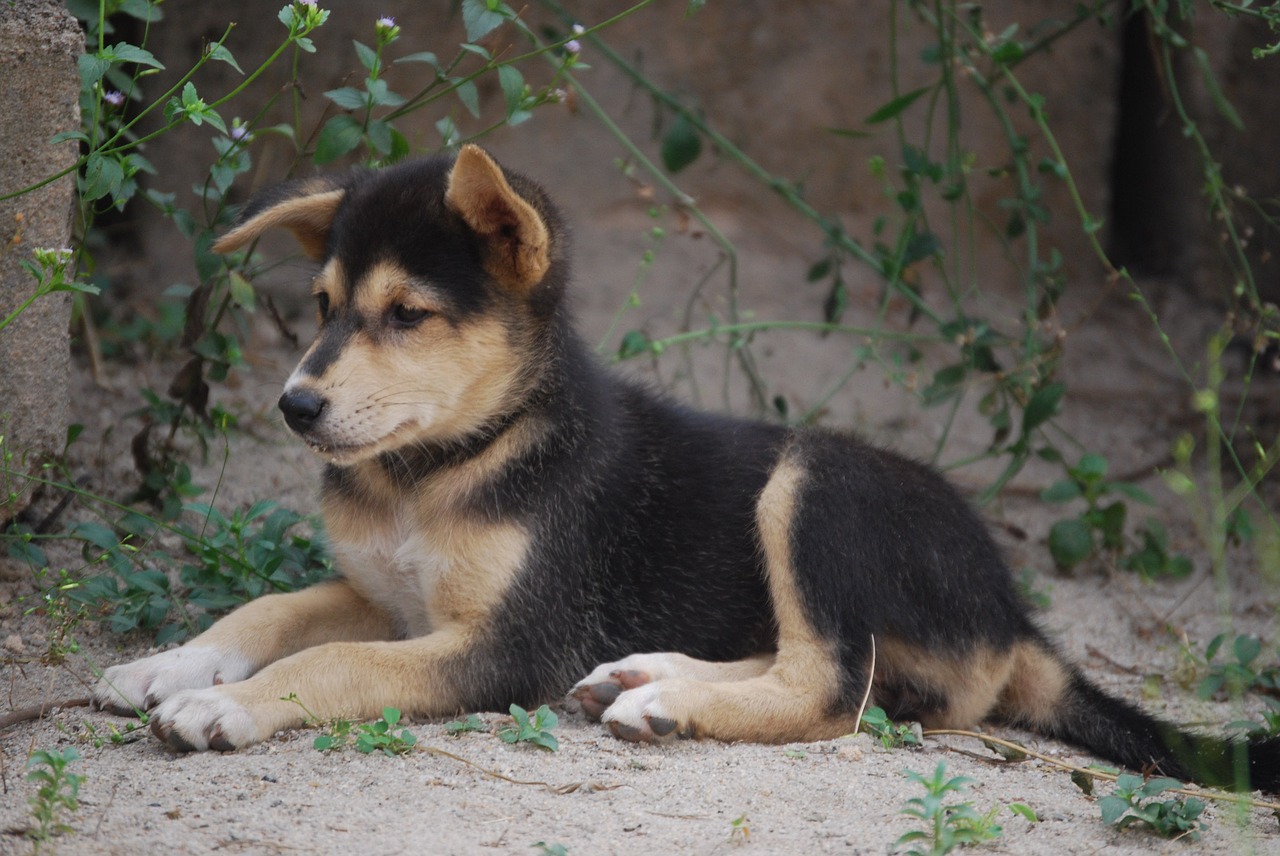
(305, 208)
(517, 241)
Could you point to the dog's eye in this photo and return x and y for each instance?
(322, 303)
(408, 316)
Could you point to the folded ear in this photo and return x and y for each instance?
(306, 208)
(517, 241)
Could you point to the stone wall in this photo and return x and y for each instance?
(39, 89)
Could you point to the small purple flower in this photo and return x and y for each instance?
(578, 29)
(573, 46)
(386, 21)
(311, 3)
(113, 97)
(239, 133)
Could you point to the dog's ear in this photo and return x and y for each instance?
(517, 251)
(306, 208)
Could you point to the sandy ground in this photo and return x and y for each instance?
(475, 794)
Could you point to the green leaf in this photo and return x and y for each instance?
(422, 56)
(1246, 649)
(241, 290)
(479, 19)
(896, 106)
(512, 82)
(1091, 467)
(221, 54)
(381, 95)
(681, 145)
(1132, 491)
(1060, 491)
(1113, 808)
(368, 57)
(339, 136)
(102, 175)
(634, 343)
(348, 98)
(1042, 407)
(1215, 91)
(1024, 811)
(124, 52)
(1070, 542)
(469, 96)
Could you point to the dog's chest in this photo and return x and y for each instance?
(397, 568)
(427, 576)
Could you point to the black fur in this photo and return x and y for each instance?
(642, 514)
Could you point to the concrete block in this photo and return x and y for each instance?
(39, 97)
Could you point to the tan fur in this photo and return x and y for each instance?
(308, 217)
(519, 245)
(791, 700)
(442, 384)
(1037, 686)
(277, 625)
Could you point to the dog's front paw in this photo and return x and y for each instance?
(601, 688)
(142, 684)
(195, 720)
(640, 716)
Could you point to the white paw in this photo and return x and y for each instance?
(644, 668)
(639, 715)
(195, 720)
(143, 684)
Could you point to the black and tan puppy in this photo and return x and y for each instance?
(507, 516)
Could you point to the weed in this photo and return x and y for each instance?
(1134, 802)
(62, 614)
(337, 735)
(1245, 674)
(535, 730)
(946, 826)
(462, 726)
(1270, 725)
(57, 792)
(740, 830)
(550, 849)
(892, 735)
(1101, 526)
(132, 731)
(380, 736)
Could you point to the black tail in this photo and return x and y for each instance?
(1120, 732)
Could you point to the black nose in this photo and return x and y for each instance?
(301, 408)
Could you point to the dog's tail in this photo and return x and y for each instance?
(1085, 716)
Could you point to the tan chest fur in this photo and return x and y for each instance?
(421, 559)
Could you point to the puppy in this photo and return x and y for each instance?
(508, 517)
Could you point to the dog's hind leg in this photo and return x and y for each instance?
(793, 696)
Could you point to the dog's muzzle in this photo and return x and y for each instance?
(302, 409)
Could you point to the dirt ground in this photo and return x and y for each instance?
(475, 794)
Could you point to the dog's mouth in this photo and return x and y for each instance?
(343, 453)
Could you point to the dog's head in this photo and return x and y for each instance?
(438, 282)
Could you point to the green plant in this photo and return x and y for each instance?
(114, 736)
(740, 830)
(1101, 526)
(1235, 678)
(535, 729)
(550, 849)
(892, 735)
(462, 726)
(380, 735)
(1268, 727)
(947, 826)
(1134, 802)
(49, 270)
(57, 792)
